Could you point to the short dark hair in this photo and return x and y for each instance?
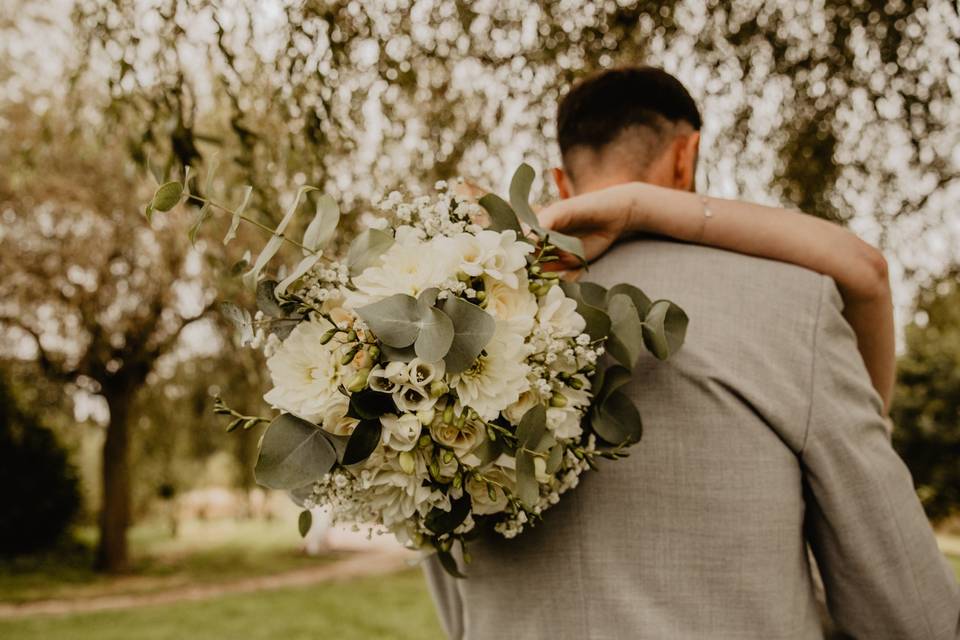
(601, 107)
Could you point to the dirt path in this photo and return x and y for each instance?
(372, 562)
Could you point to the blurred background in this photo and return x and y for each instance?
(127, 511)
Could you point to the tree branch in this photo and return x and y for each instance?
(52, 368)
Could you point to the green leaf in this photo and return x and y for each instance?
(304, 522)
(370, 405)
(473, 327)
(395, 320)
(527, 487)
(502, 217)
(593, 294)
(204, 212)
(664, 329)
(626, 330)
(436, 335)
(598, 322)
(235, 218)
(554, 459)
(449, 564)
(439, 521)
(267, 301)
(239, 318)
(639, 298)
(324, 223)
(488, 450)
(276, 240)
(293, 452)
(366, 249)
(520, 196)
(392, 354)
(609, 380)
(532, 426)
(363, 441)
(570, 244)
(298, 272)
(166, 196)
(617, 420)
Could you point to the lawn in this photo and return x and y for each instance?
(202, 552)
(383, 607)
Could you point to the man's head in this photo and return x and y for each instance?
(625, 125)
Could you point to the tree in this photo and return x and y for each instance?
(100, 295)
(926, 410)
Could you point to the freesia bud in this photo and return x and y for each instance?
(407, 463)
(359, 381)
(425, 416)
(438, 388)
(328, 336)
(558, 400)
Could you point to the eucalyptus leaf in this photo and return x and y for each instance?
(532, 426)
(554, 459)
(609, 380)
(617, 420)
(304, 522)
(571, 244)
(267, 301)
(204, 212)
(298, 272)
(293, 453)
(502, 217)
(598, 322)
(664, 329)
(639, 298)
(527, 487)
(392, 354)
(324, 224)
(366, 249)
(238, 212)
(473, 327)
(593, 294)
(276, 240)
(239, 318)
(439, 521)
(435, 336)
(395, 320)
(488, 450)
(626, 330)
(520, 196)
(166, 196)
(363, 441)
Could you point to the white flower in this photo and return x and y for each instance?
(480, 492)
(335, 420)
(515, 412)
(400, 433)
(423, 373)
(497, 378)
(306, 374)
(388, 379)
(461, 439)
(411, 265)
(558, 315)
(498, 255)
(515, 305)
(412, 398)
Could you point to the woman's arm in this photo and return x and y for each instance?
(860, 271)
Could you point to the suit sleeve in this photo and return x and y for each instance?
(446, 597)
(883, 573)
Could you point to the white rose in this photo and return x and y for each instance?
(461, 439)
(400, 433)
(498, 255)
(558, 315)
(514, 305)
(482, 502)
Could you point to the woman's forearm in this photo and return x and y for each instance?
(859, 270)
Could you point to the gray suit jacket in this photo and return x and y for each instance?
(761, 435)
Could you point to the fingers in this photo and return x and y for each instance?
(555, 216)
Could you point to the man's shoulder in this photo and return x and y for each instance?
(672, 269)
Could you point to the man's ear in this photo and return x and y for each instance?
(564, 184)
(685, 164)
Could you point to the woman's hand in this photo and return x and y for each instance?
(598, 218)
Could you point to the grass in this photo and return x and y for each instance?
(203, 552)
(395, 607)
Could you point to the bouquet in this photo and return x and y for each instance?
(441, 378)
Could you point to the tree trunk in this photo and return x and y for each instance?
(115, 507)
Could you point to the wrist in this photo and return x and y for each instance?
(636, 207)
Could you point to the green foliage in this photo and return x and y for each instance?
(293, 453)
(363, 441)
(304, 522)
(473, 328)
(366, 249)
(926, 408)
(41, 493)
(664, 329)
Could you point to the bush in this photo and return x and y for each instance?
(40, 489)
(926, 408)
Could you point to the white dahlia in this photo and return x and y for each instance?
(498, 377)
(306, 374)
